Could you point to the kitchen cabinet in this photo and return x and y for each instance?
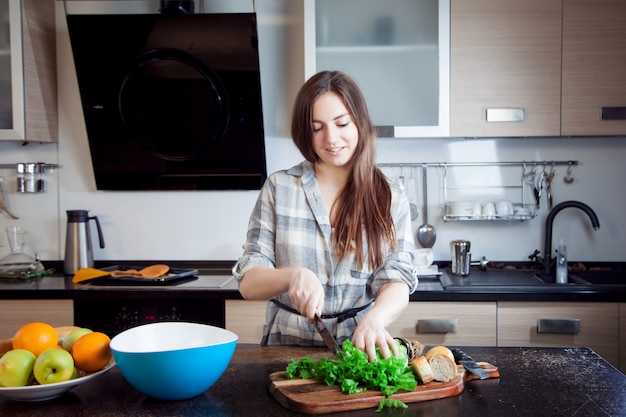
(16, 313)
(505, 65)
(28, 82)
(594, 57)
(432, 323)
(560, 324)
(246, 319)
(398, 53)
(537, 68)
(448, 323)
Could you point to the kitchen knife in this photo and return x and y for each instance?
(468, 363)
(328, 338)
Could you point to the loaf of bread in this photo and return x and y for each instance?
(442, 363)
(422, 369)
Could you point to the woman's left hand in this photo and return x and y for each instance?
(392, 299)
(370, 333)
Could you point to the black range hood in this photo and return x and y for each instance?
(171, 101)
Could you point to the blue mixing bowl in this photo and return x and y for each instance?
(173, 360)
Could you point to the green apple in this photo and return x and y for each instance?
(53, 365)
(72, 337)
(16, 368)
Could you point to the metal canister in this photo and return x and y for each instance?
(461, 257)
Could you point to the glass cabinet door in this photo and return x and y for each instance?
(11, 98)
(398, 53)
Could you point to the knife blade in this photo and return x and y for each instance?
(326, 336)
(468, 363)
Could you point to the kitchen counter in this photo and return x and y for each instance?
(534, 381)
(215, 283)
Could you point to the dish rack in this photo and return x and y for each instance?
(513, 181)
(495, 187)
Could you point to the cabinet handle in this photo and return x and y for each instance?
(613, 113)
(385, 131)
(436, 326)
(505, 115)
(567, 326)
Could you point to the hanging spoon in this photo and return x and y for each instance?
(426, 234)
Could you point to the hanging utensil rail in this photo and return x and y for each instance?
(528, 211)
(478, 164)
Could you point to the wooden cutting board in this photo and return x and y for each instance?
(312, 397)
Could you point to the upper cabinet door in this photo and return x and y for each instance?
(28, 89)
(398, 53)
(11, 96)
(505, 68)
(594, 67)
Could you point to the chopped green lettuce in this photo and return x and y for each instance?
(353, 372)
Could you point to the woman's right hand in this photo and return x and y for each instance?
(306, 292)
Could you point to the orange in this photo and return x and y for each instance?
(91, 352)
(35, 337)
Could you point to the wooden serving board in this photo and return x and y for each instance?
(312, 397)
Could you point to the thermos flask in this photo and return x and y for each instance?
(78, 248)
(461, 257)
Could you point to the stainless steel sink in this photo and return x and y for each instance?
(612, 277)
(479, 280)
(495, 280)
(572, 279)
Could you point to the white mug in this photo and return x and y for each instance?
(489, 211)
(477, 210)
(504, 208)
(423, 257)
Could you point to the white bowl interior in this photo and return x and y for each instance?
(169, 336)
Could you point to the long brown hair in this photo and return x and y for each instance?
(364, 205)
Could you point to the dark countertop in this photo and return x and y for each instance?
(214, 273)
(534, 381)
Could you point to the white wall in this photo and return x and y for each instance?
(212, 225)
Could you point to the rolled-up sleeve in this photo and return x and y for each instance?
(398, 266)
(259, 247)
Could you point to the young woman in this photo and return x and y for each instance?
(330, 235)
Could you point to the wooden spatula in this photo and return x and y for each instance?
(88, 274)
(152, 271)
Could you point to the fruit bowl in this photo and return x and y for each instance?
(31, 393)
(173, 360)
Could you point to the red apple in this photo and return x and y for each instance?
(16, 368)
(53, 365)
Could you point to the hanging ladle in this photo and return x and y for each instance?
(426, 234)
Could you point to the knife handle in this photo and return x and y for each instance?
(459, 355)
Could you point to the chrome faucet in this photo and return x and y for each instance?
(548, 260)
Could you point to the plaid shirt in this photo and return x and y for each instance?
(289, 226)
